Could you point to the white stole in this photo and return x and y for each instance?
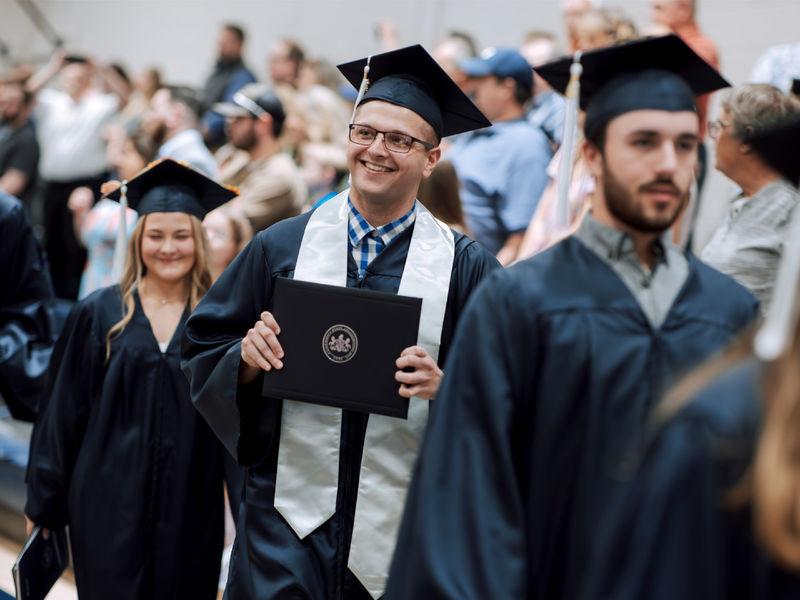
(308, 456)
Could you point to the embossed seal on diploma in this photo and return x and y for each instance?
(339, 343)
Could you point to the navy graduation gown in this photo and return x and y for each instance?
(120, 455)
(269, 561)
(675, 536)
(554, 370)
(27, 327)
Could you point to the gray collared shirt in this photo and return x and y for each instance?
(749, 243)
(654, 289)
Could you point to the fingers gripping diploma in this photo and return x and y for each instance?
(261, 350)
(422, 377)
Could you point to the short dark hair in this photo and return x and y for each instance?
(466, 39)
(236, 30)
(294, 51)
(522, 93)
(187, 96)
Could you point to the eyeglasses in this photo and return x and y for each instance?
(715, 128)
(401, 143)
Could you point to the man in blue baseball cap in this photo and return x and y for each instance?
(502, 169)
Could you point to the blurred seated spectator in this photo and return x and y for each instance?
(324, 169)
(572, 11)
(229, 75)
(451, 51)
(70, 120)
(228, 231)
(19, 148)
(778, 66)
(284, 63)
(439, 193)
(546, 110)
(144, 85)
(544, 229)
(172, 122)
(271, 187)
(96, 226)
(749, 243)
(502, 168)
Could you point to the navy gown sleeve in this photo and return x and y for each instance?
(475, 549)
(75, 375)
(211, 356)
(26, 323)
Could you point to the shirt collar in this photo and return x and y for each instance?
(615, 244)
(359, 227)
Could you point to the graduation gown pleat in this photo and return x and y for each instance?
(269, 561)
(554, 371)
(120, 455)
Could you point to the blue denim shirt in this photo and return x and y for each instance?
(503, 172)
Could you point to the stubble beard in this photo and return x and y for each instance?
(624, 207)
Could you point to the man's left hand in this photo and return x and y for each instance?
(424, 378)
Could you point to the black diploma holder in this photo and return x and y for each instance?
(40, 563)
(340, 346)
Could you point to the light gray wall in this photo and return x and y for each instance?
(179, 36)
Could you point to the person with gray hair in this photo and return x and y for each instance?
(749, 243)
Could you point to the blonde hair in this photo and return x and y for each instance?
(135, 270)
(771, 485)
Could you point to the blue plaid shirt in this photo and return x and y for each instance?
(367, 242)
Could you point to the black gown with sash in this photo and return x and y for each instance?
(120, 455)
(678, 535)
(269, 560)
(551, 380)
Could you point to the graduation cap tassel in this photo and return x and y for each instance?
(778, 327)
(361, 90)
(573, 93)
(120, 246)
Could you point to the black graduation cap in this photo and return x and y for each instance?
(779, 147)
(411, 78)
(170, 186)
(660, 73)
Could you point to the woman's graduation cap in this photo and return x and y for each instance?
(411, 78)
(780, 147)
(166, 186)
(658, 73)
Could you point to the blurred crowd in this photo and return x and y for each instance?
(280, 136)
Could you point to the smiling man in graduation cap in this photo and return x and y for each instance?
(559, 359)
(325, 486)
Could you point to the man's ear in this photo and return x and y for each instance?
(264, 124)
(433, 158)
(593, 157)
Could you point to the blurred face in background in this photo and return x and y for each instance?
(228, 46)
(241, 132)
(129, 162)
(76, 79)
(12, 102)
(222, 247)
(282, 69)
(671, 13)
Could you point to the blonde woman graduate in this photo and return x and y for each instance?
(119, 454)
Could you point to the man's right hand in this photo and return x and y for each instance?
(261, 350)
